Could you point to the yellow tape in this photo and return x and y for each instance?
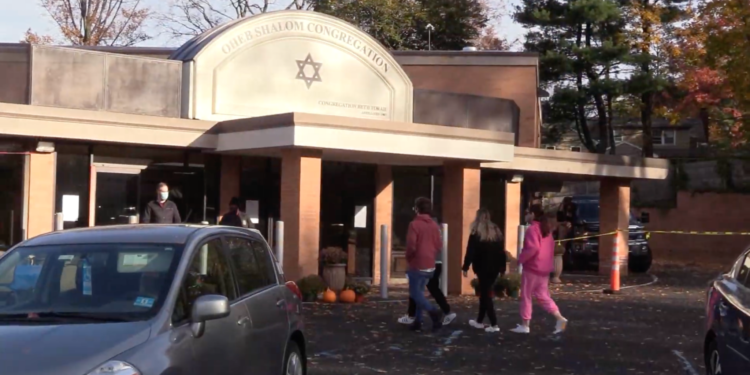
(648, 234)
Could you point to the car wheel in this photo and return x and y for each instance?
(293, 363)
(713, 359)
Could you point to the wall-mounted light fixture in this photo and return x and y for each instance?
(517, 178)
(45, 147)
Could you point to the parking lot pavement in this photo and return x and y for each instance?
(654, 329)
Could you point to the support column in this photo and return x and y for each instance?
(300, 211)
(614, 214)
(460, 204)
(229, 182)
(383, 215)
(41, 194)
(513, 204)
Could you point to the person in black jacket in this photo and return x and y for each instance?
(486, 256)
(161, 210)
(233, 218)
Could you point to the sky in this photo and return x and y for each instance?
(17, 16)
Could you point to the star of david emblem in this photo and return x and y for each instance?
(302, 64)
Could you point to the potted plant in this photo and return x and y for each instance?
(475, 284)
(559, 252)
(360, 289)
(310, 287)
(500, 286)
(334, 267)
(513, 285)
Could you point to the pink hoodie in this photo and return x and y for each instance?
(538, 254)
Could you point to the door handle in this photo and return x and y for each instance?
(243, 321)
(281, 303)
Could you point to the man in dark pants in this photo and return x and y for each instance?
(433, 286)
(161, 210)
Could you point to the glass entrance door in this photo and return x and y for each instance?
(11, 200)
(116, 197)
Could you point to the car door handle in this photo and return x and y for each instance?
(243, 321)
(281, 303)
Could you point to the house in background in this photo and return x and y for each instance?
(685, 139)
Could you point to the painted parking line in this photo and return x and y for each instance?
(448, 340)
(689, 368)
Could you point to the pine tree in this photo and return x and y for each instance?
(580, 43)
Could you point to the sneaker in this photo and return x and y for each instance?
(448, 319)
(492, 329)
(476, 325)
(406, 319)
(521, 329)
(560, 326)
(437, 319)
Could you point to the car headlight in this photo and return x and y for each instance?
(115, 368)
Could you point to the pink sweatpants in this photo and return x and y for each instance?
(535, 286)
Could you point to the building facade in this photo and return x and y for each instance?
(308, 119)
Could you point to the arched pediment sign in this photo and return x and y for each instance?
(292, 61)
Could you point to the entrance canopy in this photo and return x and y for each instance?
(291, 61)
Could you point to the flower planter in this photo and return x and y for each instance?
(558, 269)
(360, 298)
(335, 276)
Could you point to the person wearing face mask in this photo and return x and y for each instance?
(161, 210)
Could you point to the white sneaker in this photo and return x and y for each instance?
(448, 319)
(492, 329)
(406, 319)
(520, 328)
(560, 326)
(476, 325)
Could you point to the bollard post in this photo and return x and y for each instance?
(384, 261)
(59, 222)
(519, 247)
(614, 281)
(444, 253)
(279, 244)
(133, 219)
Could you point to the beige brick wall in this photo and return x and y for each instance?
(300, 211)
(460, 203)
(614, 214)
(383, 215)
(41, 209)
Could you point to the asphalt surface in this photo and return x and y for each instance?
(653, 329)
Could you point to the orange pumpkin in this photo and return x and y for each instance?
(347, 296)
(329, 296)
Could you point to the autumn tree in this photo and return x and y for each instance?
(96, 22)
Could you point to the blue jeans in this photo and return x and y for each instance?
(417, 282)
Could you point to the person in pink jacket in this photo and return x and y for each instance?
(537, 259)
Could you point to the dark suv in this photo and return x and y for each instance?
(585, 253)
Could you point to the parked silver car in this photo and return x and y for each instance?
(148, 300)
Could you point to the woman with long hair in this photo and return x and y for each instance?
(537, 259)
(486, 256)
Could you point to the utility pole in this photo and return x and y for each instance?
(430, 29)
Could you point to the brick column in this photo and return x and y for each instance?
(229, 182)
(614, 214)
(41, 193)
(512, 221)
(383, 215)
(460, 204)
(300, 211)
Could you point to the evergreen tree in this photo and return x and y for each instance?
(581, 47)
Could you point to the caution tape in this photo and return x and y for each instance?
(648, 234)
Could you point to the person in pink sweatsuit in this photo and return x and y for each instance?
(537, 259)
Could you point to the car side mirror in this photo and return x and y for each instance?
(645, 217)
(205, 308)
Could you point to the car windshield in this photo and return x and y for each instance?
(97, 281)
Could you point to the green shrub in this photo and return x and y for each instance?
(310, 287)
